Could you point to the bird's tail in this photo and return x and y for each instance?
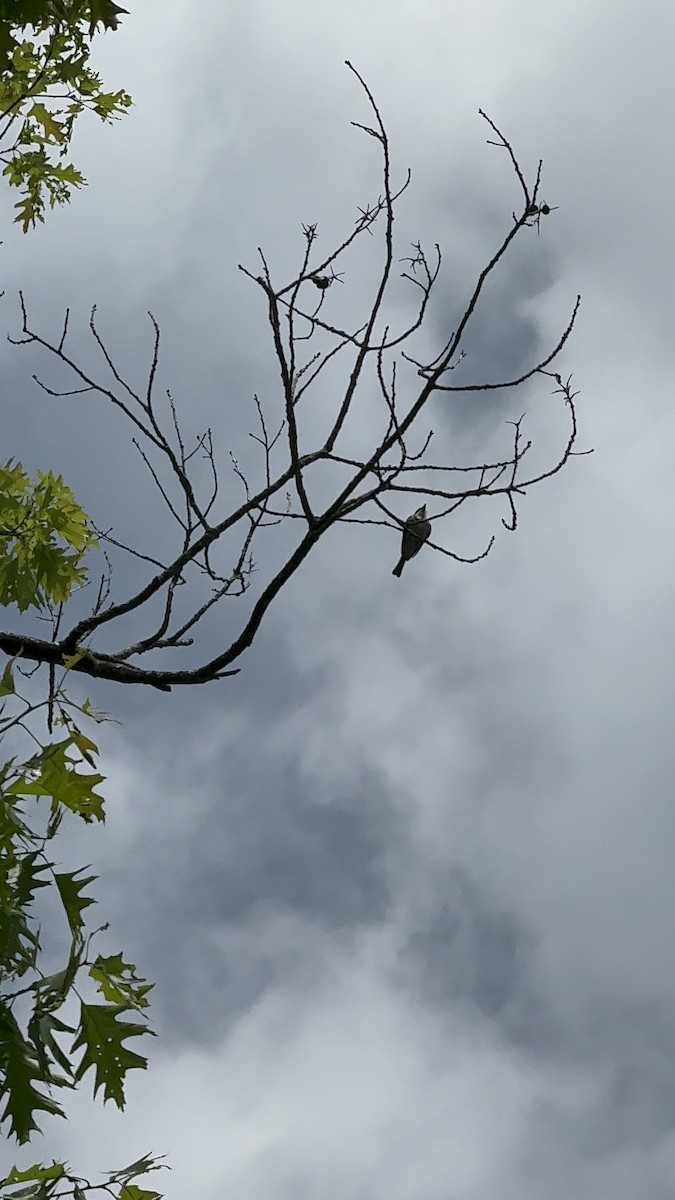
(399, 567)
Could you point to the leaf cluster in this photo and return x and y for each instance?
(44, 13)
(40, 1182)
(44, 535)
(46, 83)
(34, 1061)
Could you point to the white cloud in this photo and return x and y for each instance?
(341, 1082)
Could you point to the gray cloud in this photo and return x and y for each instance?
(405, 882)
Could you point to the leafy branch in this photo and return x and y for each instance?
(36, 1063)
(41, 1182)
(46, 84)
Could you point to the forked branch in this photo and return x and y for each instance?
(213, 555)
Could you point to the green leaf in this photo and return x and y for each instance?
(118, 983)
(74, 903)
(35, 1173)
(71, 660)
(142, 1166)
(131, 1191)
(7, 682)
(7, 47)
(19, 878)
(53, 128)
(97, 715)
(28, 878)
(101, 1036)
(86, 747)
(53, 990)
(41, 1029)
(53, 773)
(24, 58)
(105, 12)
(19, 1073)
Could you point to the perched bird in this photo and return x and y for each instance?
(416, 532)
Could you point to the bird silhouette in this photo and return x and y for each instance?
(416, 531)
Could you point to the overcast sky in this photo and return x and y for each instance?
(405, 883)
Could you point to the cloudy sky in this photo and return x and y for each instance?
(404, 883)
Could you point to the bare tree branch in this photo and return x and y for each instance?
(396, 462)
